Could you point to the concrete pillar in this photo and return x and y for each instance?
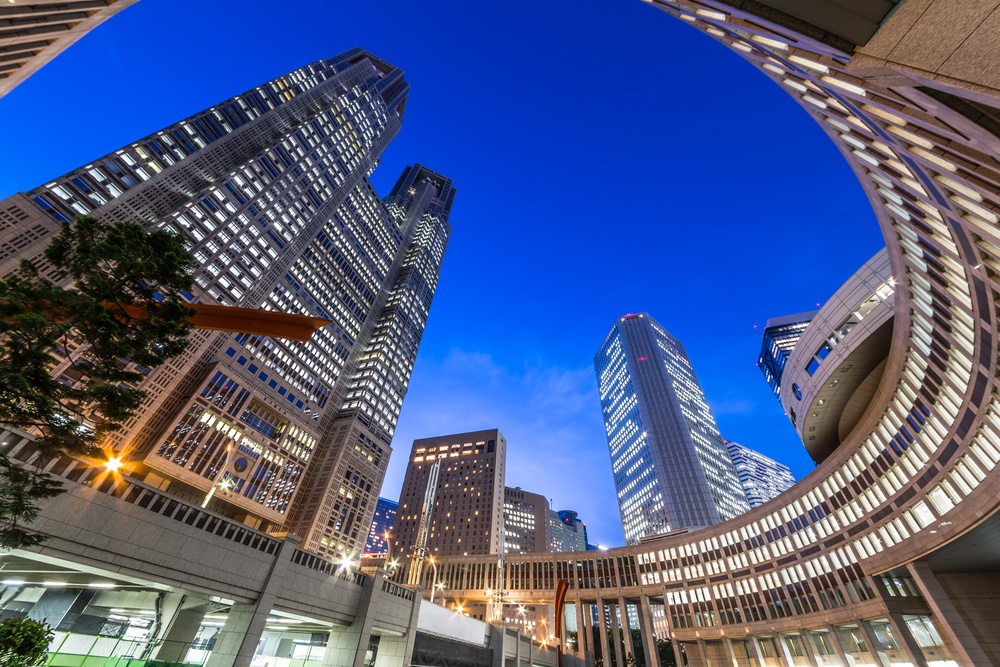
(837, 646)
(245, 624)
(784, 653)
(878, 653)
(178, 634)
(807, 646)
(678, 654)
(910, 645)
(728, 644)
(602, 624)
(581, 632)
(948, 621)
(755, 652)
(626, 628)
(496, 644)
(615, 634)
(703, 655)
(347, 646)
(589, 654)
(396, 651)
(649, 650)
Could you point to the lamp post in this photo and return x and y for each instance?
(434, 579)
(222, 481)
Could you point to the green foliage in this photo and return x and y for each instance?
(24, 642)
(124, 304)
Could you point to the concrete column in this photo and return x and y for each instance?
(615, 634)
(755, 651)
(878, 653)
(347, 646)
(178, 635)
(837, 646)
(728, 644)
(703, 655)
(646, 630)
(626, 628)
(910, 644)
(948, 621)
(678, 655)
(496, 644)
(398, 651)
(589, 654)
(581, 632)
(784, 653)
(807, 646)
(602, 624)
(245, 624)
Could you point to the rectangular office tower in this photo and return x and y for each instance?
(670, 466)
(526, 522)
(762, 477)
(466, 518)
(271, 189)
(779, 339)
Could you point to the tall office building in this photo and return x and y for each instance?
(779, 339)
(271, 189)
(566, 531)
(382, 523)
(762, 477)
(670, 466)
(526, 521)
(33, 32)
(467, 515)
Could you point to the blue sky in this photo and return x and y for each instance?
(608, 159)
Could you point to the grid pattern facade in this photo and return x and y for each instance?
(467, 517)
(382, 523)
(271, 189)
(526, 522)
(670, 467)
(567, 532)
(780, 336)
(762, 477)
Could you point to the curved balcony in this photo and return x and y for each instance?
(837, 364)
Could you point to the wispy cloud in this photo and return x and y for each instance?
(549, 414)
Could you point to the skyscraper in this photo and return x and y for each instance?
(780, 336)
(671, 469)
(567, 532)
(36, 31)
(271, 189)
(382, 523)
(467, 515)
(762, 477)
(526, 521)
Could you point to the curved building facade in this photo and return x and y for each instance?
(836, 365)
(889, 552)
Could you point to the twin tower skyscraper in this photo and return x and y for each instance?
(271, 190)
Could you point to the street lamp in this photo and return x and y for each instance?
(435, 578)
(223, 482)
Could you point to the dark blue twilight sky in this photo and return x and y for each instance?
(608, 159)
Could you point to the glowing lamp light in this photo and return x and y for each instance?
(113, 464)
